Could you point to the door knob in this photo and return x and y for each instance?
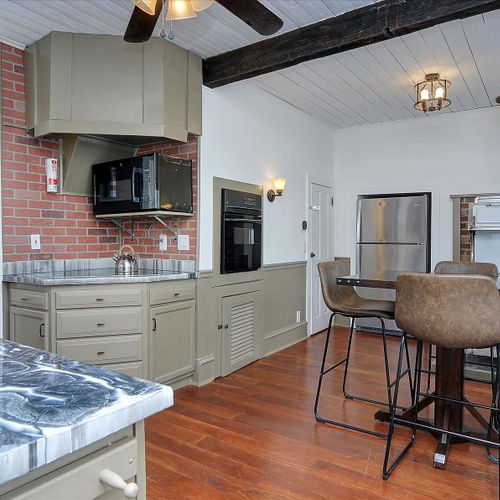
(313, 255)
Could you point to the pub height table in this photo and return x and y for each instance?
(449, 381)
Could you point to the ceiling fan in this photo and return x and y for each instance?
(146, 13)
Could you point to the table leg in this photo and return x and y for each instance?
(450, 384)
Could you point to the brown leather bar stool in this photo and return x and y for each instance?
(452, 312)
(343, 300)
(453, 267)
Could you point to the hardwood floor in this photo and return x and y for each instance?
(253, 435)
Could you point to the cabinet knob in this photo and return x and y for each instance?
(113, 480)
(41, 333)
(176, 294)
(154, 324)
(226, 326)
(219, 326)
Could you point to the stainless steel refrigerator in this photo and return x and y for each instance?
(393, 234)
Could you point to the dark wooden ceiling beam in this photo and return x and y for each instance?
(356, 28)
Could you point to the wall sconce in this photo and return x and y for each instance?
(279, 187)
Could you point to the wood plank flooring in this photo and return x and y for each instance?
(253, 435)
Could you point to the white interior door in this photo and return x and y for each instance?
(319, 249)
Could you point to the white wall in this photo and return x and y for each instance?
(253, 137)
(449, 154)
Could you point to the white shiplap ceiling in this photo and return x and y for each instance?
(375, 83)
(366, 85)
(213, 31)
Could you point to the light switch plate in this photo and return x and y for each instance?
(35, 242)
(183, 242)
(163, 242)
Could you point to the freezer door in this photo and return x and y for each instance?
(395, 219)
(374, 257)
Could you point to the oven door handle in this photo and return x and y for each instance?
(253, 221)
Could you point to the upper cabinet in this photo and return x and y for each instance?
(101, 85)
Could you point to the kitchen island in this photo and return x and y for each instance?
(62, 423)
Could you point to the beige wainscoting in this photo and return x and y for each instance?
(284, 295)
(281, 293)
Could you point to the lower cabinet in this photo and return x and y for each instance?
(172, 340)
(29, 327)
(240, 328)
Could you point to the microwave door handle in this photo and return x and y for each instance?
(95, 191)
(134, 171)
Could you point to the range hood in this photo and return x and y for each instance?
(99, 85)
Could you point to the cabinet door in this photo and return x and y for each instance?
(241, 321)
(29, 327)
(172, 340)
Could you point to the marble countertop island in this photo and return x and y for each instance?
(51, 406)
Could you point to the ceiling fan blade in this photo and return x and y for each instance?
(256, 15)
(141, 25)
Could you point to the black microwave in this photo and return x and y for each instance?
(151, 182)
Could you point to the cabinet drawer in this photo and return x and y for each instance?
(98, 297)
(162, 293)
(99, 322)
(132, 369)
(81, 477)
(29, 298)
(104, 350)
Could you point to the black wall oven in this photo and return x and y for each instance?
(241, 232)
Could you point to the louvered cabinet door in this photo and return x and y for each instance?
(241, 320)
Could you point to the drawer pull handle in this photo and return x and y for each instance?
(42, 334)
(100, 353)
(24, 298)
(176, 294)
(154, 324)
(99, 300)
(113, 480)
(100, 324)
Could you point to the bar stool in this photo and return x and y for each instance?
(454, 312)
(453, 267)
(343, 300)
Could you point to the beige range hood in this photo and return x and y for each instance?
(104, 97)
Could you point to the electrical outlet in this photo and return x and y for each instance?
(163, 242)
(183, 242)
(35, 242)
(297, 317)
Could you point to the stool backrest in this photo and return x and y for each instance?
(449, 310)
(451, 267)
(333, 294)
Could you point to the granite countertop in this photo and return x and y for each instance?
(51, 406)
(95, 277)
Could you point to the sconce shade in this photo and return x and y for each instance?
(180, 9)
(148, 6)
(279, 187)
(432, 94)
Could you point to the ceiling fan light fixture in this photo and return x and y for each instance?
(148, 6)
(199, 5)
(180, 9)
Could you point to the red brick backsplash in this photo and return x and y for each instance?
(66, 224)
(465, 242)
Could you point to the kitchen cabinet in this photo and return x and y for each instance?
(241, 328)
(172, 341)
(141, 329)
(29, 327)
